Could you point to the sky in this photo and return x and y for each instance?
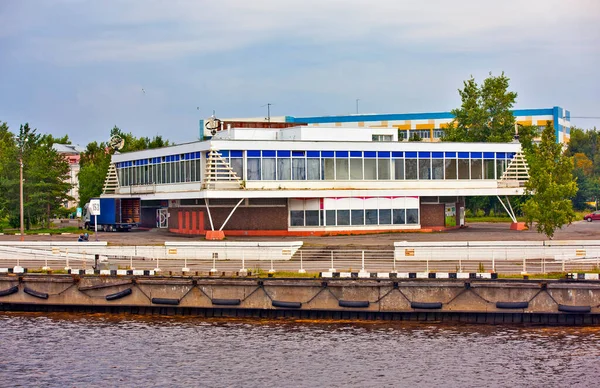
(155, 67)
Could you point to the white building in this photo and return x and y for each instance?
(313, 180)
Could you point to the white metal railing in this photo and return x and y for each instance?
(516, 258)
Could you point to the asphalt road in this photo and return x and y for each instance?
(579, 230)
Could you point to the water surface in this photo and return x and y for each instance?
(97, 350)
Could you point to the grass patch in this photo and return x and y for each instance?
(68, 229)
(261, 273)
(492, 219)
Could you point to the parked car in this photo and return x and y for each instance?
(595, 216)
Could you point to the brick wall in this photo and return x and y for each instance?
(432, 215)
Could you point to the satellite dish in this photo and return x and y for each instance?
(213, 124)
(116, 142)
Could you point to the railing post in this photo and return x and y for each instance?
(332, 269)
(67, 259)
(302, 270)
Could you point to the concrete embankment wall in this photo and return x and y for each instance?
(472, 300)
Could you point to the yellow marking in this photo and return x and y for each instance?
(338, 124)
(361, 124)
(405, 127)
(580, 252)
(172, 251)
(409, 252)
(542, 122)
(384, 123)
(425, 126)
(55, 251)
(444, 125)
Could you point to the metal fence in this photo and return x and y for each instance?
(230, 257)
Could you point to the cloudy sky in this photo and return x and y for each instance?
(154, 67)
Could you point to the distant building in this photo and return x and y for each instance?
(72, 154)
(429, 126)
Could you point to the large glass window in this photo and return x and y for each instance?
(284, 169)
(463, 168)
(410, 166)
(268, 169)
(358, 216)
(297, 218)
(399, 216)
(298, 169)
(370, 165)
(328, 169)
(383, 166)
(412, 216)
(356, 169)
(313, 169)
(476, 168)
(341, 169)
(312, 218)
(253, 169)
(343, 217)
(450, 168)
(489, 166)
(424, 169)
(330, 217)
(385, 216)
(371, 216)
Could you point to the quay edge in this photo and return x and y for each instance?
(498, 301)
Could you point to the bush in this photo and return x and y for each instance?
(468, 213)
(479, 213)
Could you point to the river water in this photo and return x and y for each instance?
(76, 350)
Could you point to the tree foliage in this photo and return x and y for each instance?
(551, 185)
(45, 173)
(485, 113)
(584, 146)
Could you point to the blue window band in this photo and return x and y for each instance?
(356, 154)
(397, 154)
(383, 154)
(410, 155)
(341, 154)
(253, 153)
(424, 154)
(463, 155)
(313, 154)
(327, 154)
(476, 155)
(370, 154)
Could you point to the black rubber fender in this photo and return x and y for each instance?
(288, 305)
(426, 305)
(41, 295)
(226, 302)
(169, 301)
(354, 303)
(118, 295)
(9, 291)
(574, 309)
(512, 305)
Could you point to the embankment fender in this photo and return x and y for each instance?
(118, 295)
(9, 291)
(287, 305)
(169, 301)
(574, 309)
(512, 305)
(426, 305)
(353, 303)
(41, 295)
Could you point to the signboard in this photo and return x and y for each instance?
(94, 207)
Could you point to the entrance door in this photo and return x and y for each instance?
(162, 219)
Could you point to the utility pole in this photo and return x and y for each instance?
(22, 139)
(268, 105)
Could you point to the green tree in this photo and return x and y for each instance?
(551, 185)
(485, 113)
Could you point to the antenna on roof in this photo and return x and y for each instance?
(268, 105)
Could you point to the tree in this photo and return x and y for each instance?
(551, 185)
(485, 113)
